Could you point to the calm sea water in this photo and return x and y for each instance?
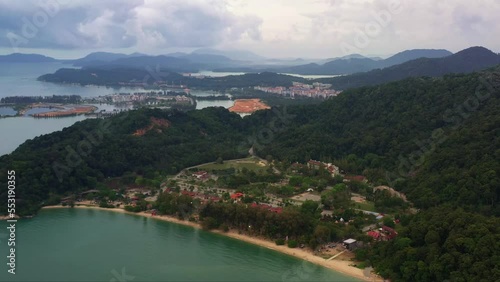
(92, 245)
(20, 79)
(16, 130)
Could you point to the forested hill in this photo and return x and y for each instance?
(436, 139)
(466, 61)
(83, 155)
(117, 76)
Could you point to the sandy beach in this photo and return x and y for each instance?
(341, 266)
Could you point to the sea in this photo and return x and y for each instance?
(96, 245)
(20, 79)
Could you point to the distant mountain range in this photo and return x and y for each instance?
(132, 70)
(465, 61)
(238, 55)
(227, 61)
(25, 58)
(364, 70)
(101, 58)
(355, 63)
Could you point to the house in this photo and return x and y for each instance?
(326, 213)
(267, 207)
(390, 233)
(375, 235)
(334, 170)
(350, 244)
(276, 210)
(296, 166)
(215, 199)
(237, 195)
(314, 164)
(200, 174)
(191, 194)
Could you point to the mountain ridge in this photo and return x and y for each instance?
(465, 61)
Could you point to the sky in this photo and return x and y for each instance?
(270, 28)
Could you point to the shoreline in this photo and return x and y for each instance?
(340, 266)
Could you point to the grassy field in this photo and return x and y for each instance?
(249, 163)
(367, 206)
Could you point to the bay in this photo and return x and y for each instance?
(20, 79)
(95, 245)
(16, 130)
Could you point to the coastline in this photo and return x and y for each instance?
(340, 266)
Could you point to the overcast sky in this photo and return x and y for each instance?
(271, 28)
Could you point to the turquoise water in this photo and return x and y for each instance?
(93, 245)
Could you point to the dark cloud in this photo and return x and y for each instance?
(121, 24)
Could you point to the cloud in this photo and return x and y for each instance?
(279, 28)
(122, 24)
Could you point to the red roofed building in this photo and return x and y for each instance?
(267, 207)
(374, 234)
(237, 195)
(192, 194)
(391, 233)
(276, 210)
(314, 164)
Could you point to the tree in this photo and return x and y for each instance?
(209, 223)
(337, 197)
(219, 160)
(269, 159)
(309, 207)
(388, 221)
(321, 234)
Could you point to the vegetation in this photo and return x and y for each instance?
(117, 76)
(435, 139)
(63, 99)
(441, 244)
(450, 155)
(465, 61)
(247, 163)
(79, 157)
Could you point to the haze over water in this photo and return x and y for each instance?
(20, 79)
(93, 245)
